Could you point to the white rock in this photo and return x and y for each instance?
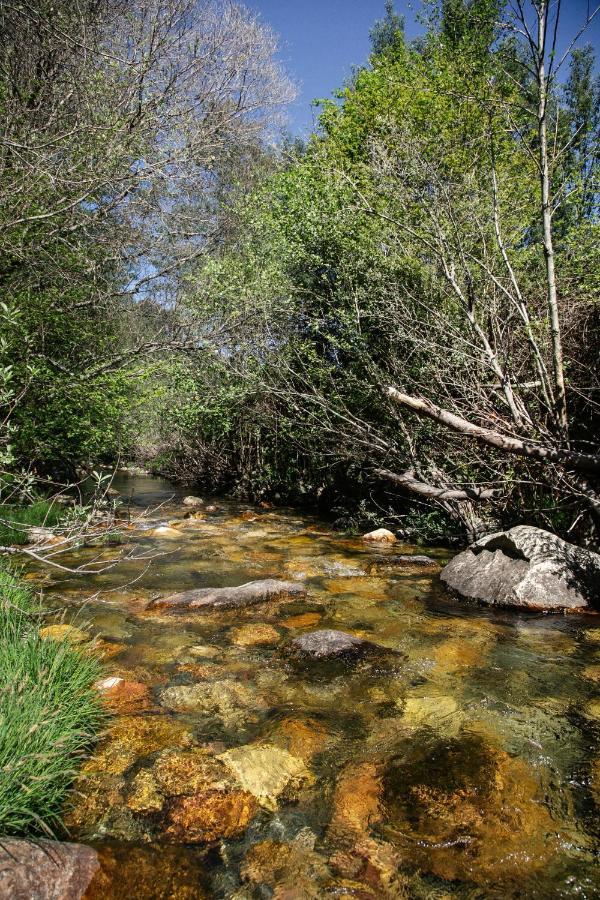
(381, 535)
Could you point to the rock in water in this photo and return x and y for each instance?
(267, 772)
(381, 536)
(331, 644)
(248, 594)
(526, 567)
(46, 870)
(192, 501)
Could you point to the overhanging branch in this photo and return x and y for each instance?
(584, 462)
(431, 492)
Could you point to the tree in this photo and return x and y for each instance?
(124, 125)
(386, 31)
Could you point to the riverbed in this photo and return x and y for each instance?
(463, 761)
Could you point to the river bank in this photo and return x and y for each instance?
(462, 759)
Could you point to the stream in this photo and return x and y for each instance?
(463, 761)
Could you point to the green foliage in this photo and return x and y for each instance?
(386, 32)
(49, 714)
(336, 265)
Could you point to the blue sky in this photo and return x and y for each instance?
(322, 39)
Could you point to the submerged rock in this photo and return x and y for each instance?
(209, 816)
(127, 697)
(440, 713)
(381, 536)
(249, 594)
(267, 772)
(462, 810)
(184, 772)
(144, 795)
(303, 620)
(45, 870)
(373, 865)
(416, 560)
(356, 802)
(148, 872)
(254, 635)
(290, 870)
(64, 632)
(331, 644)
(303, 738)
(233, 703)
(526, 567)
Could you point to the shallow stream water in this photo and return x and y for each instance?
(462, 761)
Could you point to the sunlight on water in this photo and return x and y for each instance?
(460, 761)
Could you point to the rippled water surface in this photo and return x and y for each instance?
(461, 761)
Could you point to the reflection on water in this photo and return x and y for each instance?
(465, 763)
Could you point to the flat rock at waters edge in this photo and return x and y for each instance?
(249, 594)
(529, 568)
(45, 870)
(331, 644)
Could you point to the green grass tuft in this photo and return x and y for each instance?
(49, 714)
(15, 520)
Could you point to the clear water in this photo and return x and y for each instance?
(463, 763)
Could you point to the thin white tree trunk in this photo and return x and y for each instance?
(560, 398)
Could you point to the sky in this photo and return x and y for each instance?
(321, 40)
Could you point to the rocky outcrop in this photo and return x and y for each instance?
(331, 644)
(46, 870)
(254, 592)
(526, 567)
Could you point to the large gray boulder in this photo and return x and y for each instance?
(526, 567)
(249, 594)
(45, 870)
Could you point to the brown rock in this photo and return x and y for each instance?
(201, 671)
(108, 649)
(466, 811)
(45, 870)
(144, 795)
(303, 738)
(209, 816)
(157, 871)
(356, 802)
(128, 697)
(592, 673)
